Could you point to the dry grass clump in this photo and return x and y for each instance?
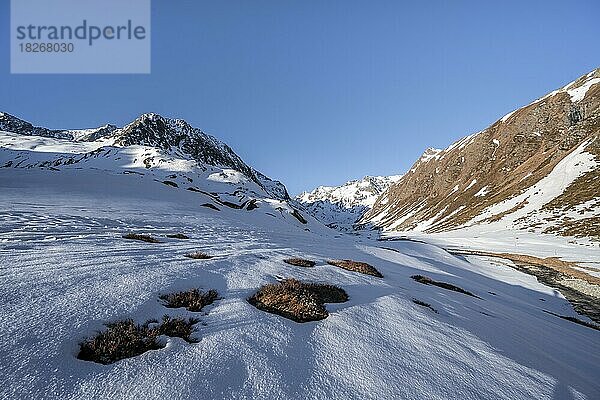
(121, 339)
(296, 300)
(428, 281)
(198, 255)
(299, 262)
(142, 237)
(192, 300)
(178, 327)
(356, 266)
(125, 339)
(178, 236)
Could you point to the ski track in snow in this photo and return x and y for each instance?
(65, 270)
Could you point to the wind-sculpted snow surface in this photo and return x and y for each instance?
(66, 270)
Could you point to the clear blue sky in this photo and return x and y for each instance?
(320, 92)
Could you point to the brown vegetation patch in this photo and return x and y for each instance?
(178, 327)
(141, 237)
(299, 262)
(198, 255)
(296, 300)
(125, 339)
(121, 339)
(583, 227)
(192, 300)
(428, 281)
(178, 236)
(356, 266)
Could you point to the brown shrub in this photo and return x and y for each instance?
(142, 237)
(121, 339)
(428, 281)
(178, 236)
(356, 266)
(299, 262)
(296, 300)
(198, 255)
(125, 339)
(192, 300)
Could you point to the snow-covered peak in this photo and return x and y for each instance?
(341, 206)
(356, 192)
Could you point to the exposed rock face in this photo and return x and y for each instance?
(498, 174)
(340, 207)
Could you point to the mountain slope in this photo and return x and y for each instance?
(340, 207)
(537, 168)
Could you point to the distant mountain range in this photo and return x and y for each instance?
(536, 169)
(340, 207)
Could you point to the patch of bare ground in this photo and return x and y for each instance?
(193, 299)
(582, 290)
(448, 286)
(211, 206)
(299, 262)
(424, 304)
(356, 266)
(583, 227)
(142, 237)
(125, 339)
(296, 300)
(198, 255)
(170, 183)
(299, 217)
(178, 236)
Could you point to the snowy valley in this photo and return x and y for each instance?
(99, 226)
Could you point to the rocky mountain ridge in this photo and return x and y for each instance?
(536, 168)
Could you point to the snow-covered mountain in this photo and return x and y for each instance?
(163, 150)
(536, 169)
(340, 207)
